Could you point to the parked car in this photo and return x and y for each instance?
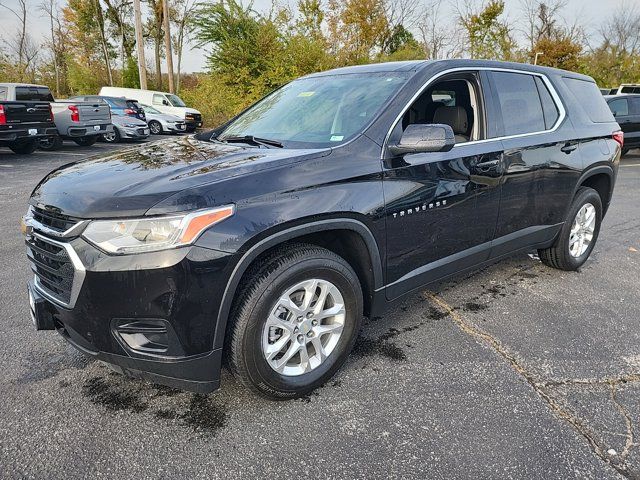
(265, 242)
(25, 116)
(119, 105)
(626, 110)
(163, 101)
(126, 128)
(81, 122)
(163, 122)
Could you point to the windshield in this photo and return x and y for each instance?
(317, 112)
(150, 109)
(175, 100)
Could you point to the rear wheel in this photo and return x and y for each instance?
(86, 141)
(111, 137)
(579, 232)
(155, 127)
(24, 147)
(295, 322)
(50, 142)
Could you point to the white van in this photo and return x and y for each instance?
(163, 101)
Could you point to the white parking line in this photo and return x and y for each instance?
(631, 165)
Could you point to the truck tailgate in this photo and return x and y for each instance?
(26, 112)
(94, 112)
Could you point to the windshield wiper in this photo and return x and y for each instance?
(253, 140)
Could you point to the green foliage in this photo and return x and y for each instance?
(488, 36)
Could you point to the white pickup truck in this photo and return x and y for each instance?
(82, 122)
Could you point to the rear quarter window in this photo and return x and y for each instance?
(590, 99)
(619, 107)
(519, 103)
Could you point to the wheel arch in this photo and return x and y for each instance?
(601, 179)
(322, 233)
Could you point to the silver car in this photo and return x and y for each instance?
(163, 122)
(125, 127)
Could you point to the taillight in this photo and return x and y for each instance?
(128, 111)
(75, 114)
(3, 116)
(619, 137)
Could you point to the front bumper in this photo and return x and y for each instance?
(180, 289)
(89, 130)
(138, 133)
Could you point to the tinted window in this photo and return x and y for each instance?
(117, 102)
(549, 107)
(634, 105)
(588, 96)
(619, 107)
(3, 93)
(33, 94)
(519, 103)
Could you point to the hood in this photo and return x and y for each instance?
(127, 120)
(167, 117)
(132, 181)
(191, 110)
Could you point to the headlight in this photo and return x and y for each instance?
(154, 233)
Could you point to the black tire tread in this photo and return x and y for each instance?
(260, 275)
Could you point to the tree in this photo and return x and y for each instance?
(21, 45)
(487, 35)
(184, 14)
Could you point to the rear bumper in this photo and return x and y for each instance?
(26, 133)
(87, 131)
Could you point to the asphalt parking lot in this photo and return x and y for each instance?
(513, 371)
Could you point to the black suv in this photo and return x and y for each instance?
(626, 110)
(263, 243)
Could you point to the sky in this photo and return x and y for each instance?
(590, 13)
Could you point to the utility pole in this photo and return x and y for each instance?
(167, 44)
(538, 54)
(142, 70)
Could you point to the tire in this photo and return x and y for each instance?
(112, 137)
(24, 147)
(624, 152)
(86, 141)
(268, 282)
(155, 127)
(50, 143)
(561, 255)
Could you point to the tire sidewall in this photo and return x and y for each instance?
(24, 147)
(259, 370)
(585, 196)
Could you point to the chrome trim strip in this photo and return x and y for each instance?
(78, 275)
(562, 113)
(73, 231)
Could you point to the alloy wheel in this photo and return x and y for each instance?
(582, 230)
(304, 327)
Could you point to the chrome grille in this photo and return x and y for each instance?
(53, 220)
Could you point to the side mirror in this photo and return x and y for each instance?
(419, 138)
(165, 103)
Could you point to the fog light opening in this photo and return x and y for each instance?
(145, 336)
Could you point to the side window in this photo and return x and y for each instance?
(157, 99)
(519, 103)
(586, 94)
(549, 107)
(3, 93)
(619, 107)
(454, 101)
(634, 106)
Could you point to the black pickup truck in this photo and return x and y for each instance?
(25, 116)
(263, 243)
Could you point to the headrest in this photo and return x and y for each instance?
(455, 117)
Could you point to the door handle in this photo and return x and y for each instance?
(569, 147)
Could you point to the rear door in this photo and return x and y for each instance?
(541, 160)
(626, 111)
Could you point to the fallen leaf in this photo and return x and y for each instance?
(631, 249)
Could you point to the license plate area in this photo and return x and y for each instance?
(33, 131)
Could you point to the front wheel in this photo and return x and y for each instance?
(579, 232)
(155, 127)
(112, 136)
(295, 322)
(86, 141)
(23, 147)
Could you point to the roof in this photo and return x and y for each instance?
(418, 65)
(621, 95)
(9, 84)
